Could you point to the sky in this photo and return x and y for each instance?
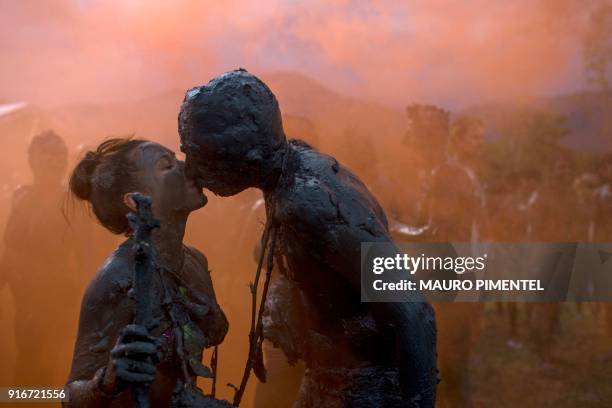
(451, 53)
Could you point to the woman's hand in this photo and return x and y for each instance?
(132, 360)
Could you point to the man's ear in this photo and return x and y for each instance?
(128, 199)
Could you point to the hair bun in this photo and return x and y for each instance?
(80, 180)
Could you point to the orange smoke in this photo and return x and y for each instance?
(437, 51)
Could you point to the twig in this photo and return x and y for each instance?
(269, 267)
(253, 330)
(213, 365)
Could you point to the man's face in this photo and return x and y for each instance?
(471, 143)
(563, 172)
(215, 170)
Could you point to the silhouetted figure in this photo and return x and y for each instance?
(586, 186)
(603, 217)
(357, 354)
(603, 200)
(457, 212)
(426, 139)
(428, 130)
(553, 219)
(456, 200)
(40, 267)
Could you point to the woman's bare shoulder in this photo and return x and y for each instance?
(198, 256)
(113, 279)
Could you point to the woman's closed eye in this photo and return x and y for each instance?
(166, 163)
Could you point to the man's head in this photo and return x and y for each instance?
(426, 122)
(467, 137)
(428, 129)
(48, 157)
(231, 132)
(563, 171)
(530, 180)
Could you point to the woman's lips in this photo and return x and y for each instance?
(193, 186)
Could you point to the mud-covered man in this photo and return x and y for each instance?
(357, 354)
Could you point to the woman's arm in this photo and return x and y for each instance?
(214, 323)
(105, 310)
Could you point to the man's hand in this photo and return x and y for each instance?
(132, 360)
(285, 321)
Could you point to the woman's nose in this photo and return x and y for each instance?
(187, 169)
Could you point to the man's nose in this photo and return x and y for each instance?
(188, 169)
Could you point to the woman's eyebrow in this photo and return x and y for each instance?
(168, 153)
(159, 156)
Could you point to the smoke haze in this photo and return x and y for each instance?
(444, 52)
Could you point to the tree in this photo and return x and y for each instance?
(597, 47)
(529, 139)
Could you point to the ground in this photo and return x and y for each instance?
(513, 376)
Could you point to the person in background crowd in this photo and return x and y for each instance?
(39, 266)
(553, 219)
(603, 217)
(457, 213)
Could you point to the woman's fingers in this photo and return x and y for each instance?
(137, 332)
(139, 367)
(134, 371)
(140, 349)
(132, 377)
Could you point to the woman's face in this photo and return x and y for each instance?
(163, 178)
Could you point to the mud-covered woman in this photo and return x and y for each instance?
(111, 354)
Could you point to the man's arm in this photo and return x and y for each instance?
(285, 320)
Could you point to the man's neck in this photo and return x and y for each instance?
(272, 174)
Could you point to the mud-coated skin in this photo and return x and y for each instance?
(231, 133)
(325, 212)
(107, 308)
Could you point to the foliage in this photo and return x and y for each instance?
(597, 47)
(528, 139)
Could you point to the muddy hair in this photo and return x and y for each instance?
(102, 178)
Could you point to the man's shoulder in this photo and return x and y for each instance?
(322, 191)
(314, 182)
(313, 161)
